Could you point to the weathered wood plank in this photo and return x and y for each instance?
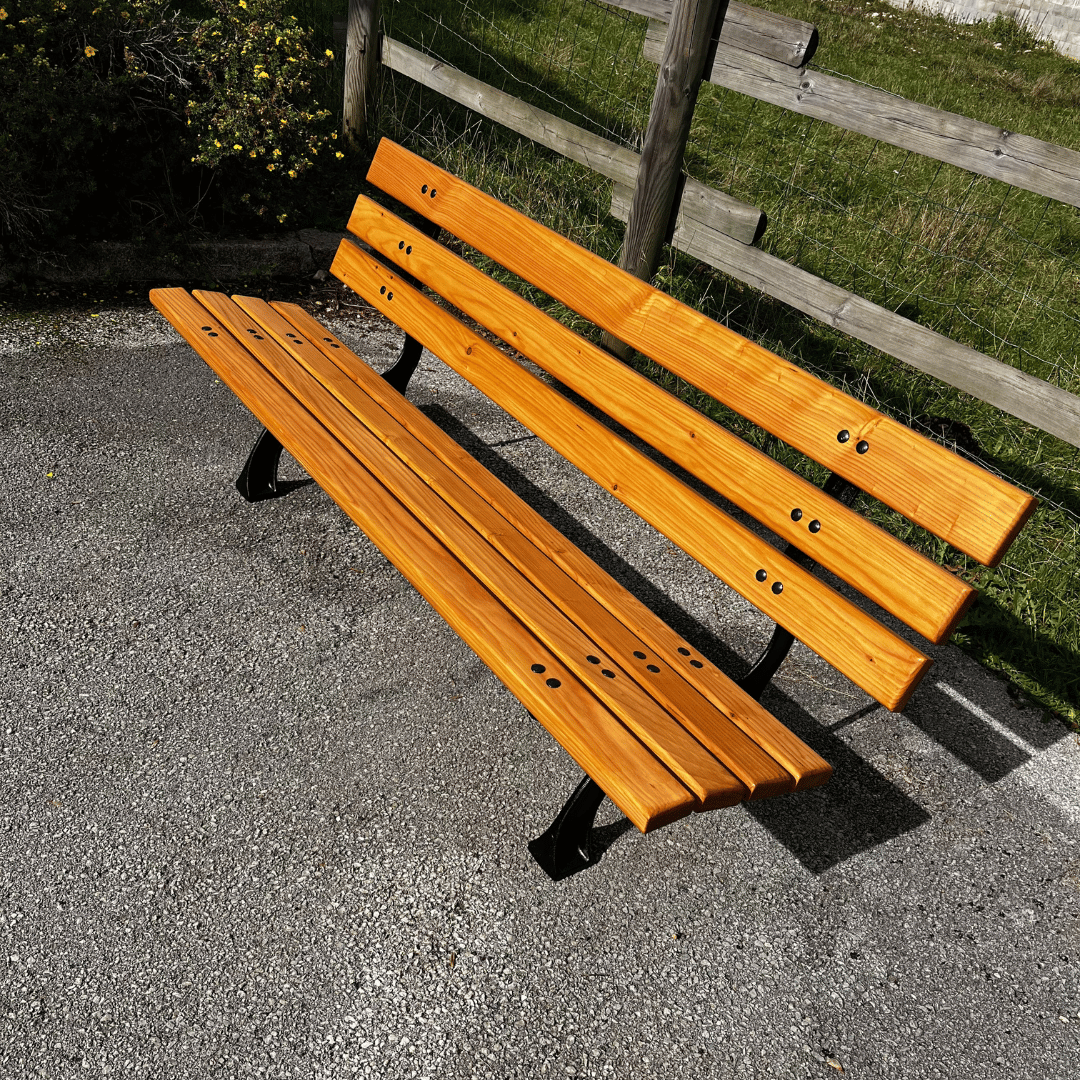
(685, 48)
(738, 220)
(973, 510)
(629, 774)
(873, 657)
(1041, 167)
(1048, 407)
(791, 41)
(361, 68)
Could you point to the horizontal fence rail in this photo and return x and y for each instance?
(705, 205)
(791, 41)
(1020, 160)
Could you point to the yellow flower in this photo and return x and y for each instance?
(216, 142)
(271, 167)
(3, 16)
(292, 174)
(243, 3)
(277, 153)
(338, 154)
(237, 146)
(251, 153)
(330, 54)
(282, 217)
(263, 75)
(90, 50)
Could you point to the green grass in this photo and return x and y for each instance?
(991, 266)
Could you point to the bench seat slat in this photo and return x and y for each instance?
(711, 783)
(383, 410)
(629, 774)
(882, 663)
(807, 767)
(976, 512)
(913, 588)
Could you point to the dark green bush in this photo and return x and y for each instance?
(125, 119)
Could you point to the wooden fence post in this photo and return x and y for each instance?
(693, 26)
(361, 66)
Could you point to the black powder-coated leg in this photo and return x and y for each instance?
(258, 478)
(760, 675)
(399, 375)
(564, 849)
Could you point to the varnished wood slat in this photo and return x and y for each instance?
(712, 784)
(807, 767)
(964, 504)
(906, 584)
(630, 775)
(377, 406)
(883, 664)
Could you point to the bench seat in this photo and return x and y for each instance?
(661, 730)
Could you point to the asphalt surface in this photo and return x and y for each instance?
(262, 814)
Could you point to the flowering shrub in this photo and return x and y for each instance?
(123, 117)
(254, 118)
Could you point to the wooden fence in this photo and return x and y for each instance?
(765, 55)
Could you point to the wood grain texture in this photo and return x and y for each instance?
(958, 501)
(709, 726)
(755, 30)
(739, 220)
(630, 775)
(909, 586)
(1013, 391)
(1042, 167)
(361, 69)
(711, 783)
(870, 655)
(428, 489)
(686, 47)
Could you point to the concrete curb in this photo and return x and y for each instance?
(298, 254)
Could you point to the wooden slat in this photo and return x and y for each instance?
(779, 37)
(925, 596)
(378, 408)
(1042, 167)
(698, 770)
(870, 655)
(714, 208)
(1007, 388)
(962, 503)
(729, 701)
(630, 775)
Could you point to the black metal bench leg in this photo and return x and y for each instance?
(258, 478)
(564, 848)
(399, 375)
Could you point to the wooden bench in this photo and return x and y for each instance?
(653, 723)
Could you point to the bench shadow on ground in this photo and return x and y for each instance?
(821, 828)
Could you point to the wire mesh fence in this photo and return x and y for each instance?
(988, 265)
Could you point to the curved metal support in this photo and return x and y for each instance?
(258, 478)
(760, 675)
(399, 375)
(564, 848)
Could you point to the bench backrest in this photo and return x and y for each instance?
(958, 501)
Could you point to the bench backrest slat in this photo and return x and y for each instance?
(960, 502)
(874, 658)
(925, 596)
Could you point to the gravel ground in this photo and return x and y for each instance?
(262, 814)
